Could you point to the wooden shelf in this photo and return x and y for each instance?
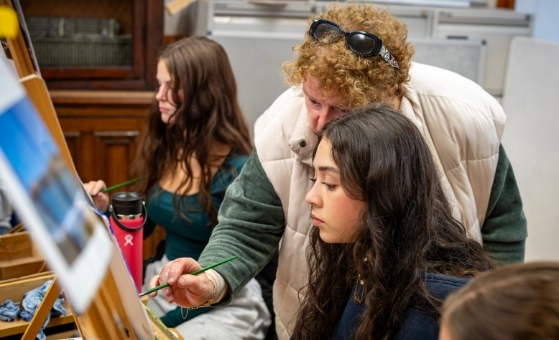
(19, 326)
(19, 257)
(102, 97)
(14, 290)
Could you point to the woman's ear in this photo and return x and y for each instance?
(395, 97)
(394, 90)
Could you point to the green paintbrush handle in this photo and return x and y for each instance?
(196, 272)
(123, 184)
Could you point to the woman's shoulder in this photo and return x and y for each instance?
(236, 160)
(420, 324)
(440, 285)
(229, 170)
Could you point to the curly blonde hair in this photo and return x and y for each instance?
(360, 81)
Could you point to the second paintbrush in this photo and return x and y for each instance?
(123, 184)
(196, 272)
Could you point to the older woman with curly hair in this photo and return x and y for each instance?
(353, 55)
(325, 59)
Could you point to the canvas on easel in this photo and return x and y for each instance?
(37, 167)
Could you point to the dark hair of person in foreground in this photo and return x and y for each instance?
(516, 301)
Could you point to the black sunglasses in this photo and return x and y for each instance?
(362, 43)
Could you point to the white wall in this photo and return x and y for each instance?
(531, 139)
(545, 12)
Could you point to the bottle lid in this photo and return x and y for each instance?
(127, 203)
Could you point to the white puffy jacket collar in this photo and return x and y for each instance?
(303, 140)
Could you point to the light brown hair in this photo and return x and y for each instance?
(207, 113)
(518, 301)
(361, 81)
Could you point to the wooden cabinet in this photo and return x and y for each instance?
(101, 44)
(102, 130)
(99, 59)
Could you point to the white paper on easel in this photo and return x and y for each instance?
(47, 197)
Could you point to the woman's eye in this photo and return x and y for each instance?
(329, 186)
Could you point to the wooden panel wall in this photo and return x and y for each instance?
(102, 130)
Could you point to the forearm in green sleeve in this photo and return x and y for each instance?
(251, 224)
(504, 230)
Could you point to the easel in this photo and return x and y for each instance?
(106, 317)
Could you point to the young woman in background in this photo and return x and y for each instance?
(195, 144)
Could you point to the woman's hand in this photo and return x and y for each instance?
(101, 200)
(184, 289)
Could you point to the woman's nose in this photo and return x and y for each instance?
(161, 93)
(311, 198)
(324, 112)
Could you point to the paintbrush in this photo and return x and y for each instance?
(196, 272)
(123, 184)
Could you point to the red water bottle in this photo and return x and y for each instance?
(128, 217)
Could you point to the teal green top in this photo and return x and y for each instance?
(188, 238)
(252, 221)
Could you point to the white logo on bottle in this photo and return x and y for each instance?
(128, 240)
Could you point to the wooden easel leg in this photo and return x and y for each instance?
(101, 321)
(20, 54)
(41, 313)
(117, 306)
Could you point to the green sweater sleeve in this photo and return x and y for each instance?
(504, 230)
(251, 224)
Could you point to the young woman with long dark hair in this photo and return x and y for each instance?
(195, 144)
(385, 249)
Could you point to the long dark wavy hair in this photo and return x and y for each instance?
(407, 229)
(208, 113)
